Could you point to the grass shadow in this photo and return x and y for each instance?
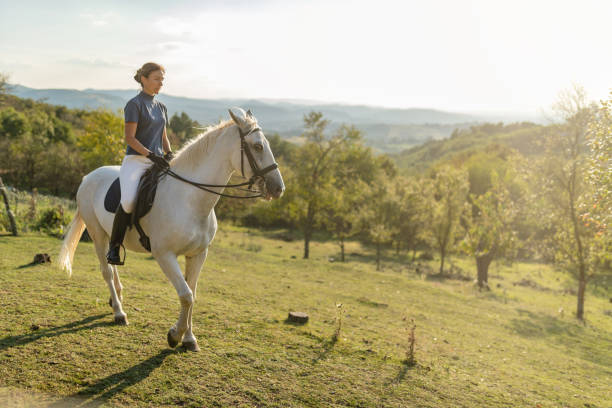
(500, 296)
(401, 373)
(28, 265)
(104, 389)
(328, 346)
(389, 384)
(578, 339)
(87, 323)
(537, 324)
(456, 275)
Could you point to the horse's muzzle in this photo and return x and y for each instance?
(274, 185)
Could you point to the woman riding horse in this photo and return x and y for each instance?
(182, 220)
(145, 134)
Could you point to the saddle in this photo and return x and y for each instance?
(147, 187)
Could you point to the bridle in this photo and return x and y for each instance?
(244, 149)
(257, 172)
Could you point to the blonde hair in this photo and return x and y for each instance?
(146, 70)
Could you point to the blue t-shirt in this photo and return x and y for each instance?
(151, 116)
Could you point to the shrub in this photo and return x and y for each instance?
(52, 221)
(426, 256)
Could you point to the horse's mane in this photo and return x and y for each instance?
(195, 149)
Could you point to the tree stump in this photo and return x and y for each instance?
(298, 317)
(41, 258)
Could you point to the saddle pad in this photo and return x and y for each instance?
(113, 197)
(147, 188)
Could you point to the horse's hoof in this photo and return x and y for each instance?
(121, 320)
(171, 342)
(110, 301)
(191, 346)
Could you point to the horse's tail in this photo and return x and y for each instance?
(71, 240)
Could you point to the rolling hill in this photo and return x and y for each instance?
(387, 130)
(523, 137)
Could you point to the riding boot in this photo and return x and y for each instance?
(120, 224)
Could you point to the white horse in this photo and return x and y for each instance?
(182, 220)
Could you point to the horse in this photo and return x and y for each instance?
(182, 220)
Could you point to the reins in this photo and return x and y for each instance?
(257, 172)
(205, 187)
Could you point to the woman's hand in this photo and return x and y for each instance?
(158, 161)
(169, 156)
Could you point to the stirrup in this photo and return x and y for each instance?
(120, 262)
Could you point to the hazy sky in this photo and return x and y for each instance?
(458, 55)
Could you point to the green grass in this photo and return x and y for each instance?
(508, 347)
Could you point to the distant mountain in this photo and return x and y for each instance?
(388, 130)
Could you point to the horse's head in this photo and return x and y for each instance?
(255, 159)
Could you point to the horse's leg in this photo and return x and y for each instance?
(193, 266)
(169, 264)
(100, 239)
(101, 243)
(118, 286)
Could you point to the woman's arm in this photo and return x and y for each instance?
(166, 142)
(130, 139)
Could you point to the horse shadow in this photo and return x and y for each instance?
(87, 323)
(101, 391)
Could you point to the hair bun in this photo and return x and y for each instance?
(137, 76)
(146, 69)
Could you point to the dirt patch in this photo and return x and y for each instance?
(371, 303)
(18, 398)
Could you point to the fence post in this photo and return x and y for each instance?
(8, 208)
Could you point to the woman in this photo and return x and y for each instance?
(145, 134)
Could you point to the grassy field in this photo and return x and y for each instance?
(516, 346)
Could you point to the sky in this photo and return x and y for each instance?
(468, 56)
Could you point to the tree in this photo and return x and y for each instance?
(447, 197)
(411, 216)
(61, 170)
(182, 128)
(103, 141)
(9, 213)
(599, 178)
(488, 227)
(355, 171)
(599, 163)
(4, 85)
(341, 217)
(379, 217)
(25, 159)
(13, 124)
(563, 169)
(314, 168)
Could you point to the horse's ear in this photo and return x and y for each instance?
(238, 116)
(249, 113)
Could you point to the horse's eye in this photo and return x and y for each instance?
(259, 147)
